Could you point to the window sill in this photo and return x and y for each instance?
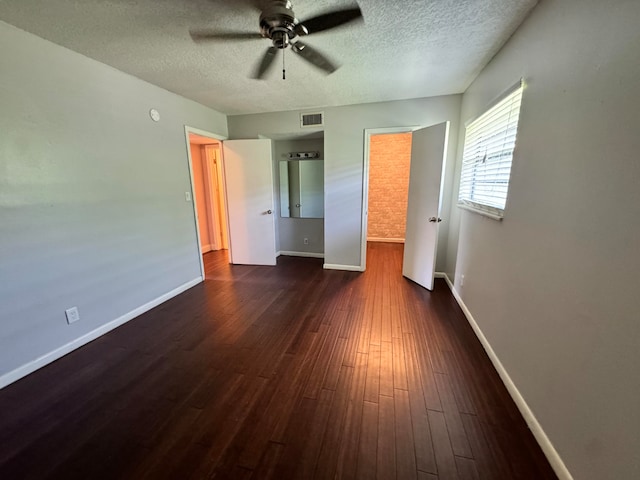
(479, 211)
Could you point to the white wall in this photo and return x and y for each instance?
(293, 231)
(554, 286)
(344, 151)
(92, 195)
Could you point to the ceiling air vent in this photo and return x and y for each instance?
(311, 119)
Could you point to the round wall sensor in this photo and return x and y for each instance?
(154, 114)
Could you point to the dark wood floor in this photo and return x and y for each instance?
(276, 372)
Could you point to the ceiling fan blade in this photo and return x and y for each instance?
(266, 62)
(211, 35)
(314, 57)
(329, 20)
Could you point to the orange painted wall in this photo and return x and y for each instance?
(389, 163)
(201, 208)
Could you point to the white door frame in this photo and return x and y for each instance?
(368, 133)
(213, 136)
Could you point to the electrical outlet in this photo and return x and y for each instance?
(306, 241)
(462, 280)
(187, 196)
(72, 315)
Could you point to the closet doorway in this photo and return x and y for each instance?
(389, 166)
(207, 178)
(417, 227)
(387, 163)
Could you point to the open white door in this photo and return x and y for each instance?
(249, 187)
(428, 152)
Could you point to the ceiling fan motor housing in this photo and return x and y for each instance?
(278, 22)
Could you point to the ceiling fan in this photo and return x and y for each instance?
(279, 24)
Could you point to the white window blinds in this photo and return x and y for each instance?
(488, 151)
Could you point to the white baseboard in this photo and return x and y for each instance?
(545, 444)
(387, 240)
(47, 358)
(302, 254)
(349, 268)
(440, 275)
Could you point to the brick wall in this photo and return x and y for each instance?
(389, 162)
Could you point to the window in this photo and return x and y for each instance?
(488, 151)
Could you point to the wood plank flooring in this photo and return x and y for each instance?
(287, 372)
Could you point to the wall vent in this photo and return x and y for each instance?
(311, 119)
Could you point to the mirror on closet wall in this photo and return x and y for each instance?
(302, 188)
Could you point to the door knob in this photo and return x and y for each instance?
(269, 212)
(434, 219)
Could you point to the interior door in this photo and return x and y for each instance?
(428, 152)
(249, 187)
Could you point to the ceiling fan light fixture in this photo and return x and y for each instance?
(279, 16)
(280, 38)
(301, 30)
(279, 24)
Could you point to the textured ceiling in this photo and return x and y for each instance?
(404, 49)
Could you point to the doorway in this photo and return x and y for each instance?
(389, 166)
(387, 160)
(424, 200)
(299, 187)
(208, 191)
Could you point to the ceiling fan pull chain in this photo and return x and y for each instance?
(284, 77)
